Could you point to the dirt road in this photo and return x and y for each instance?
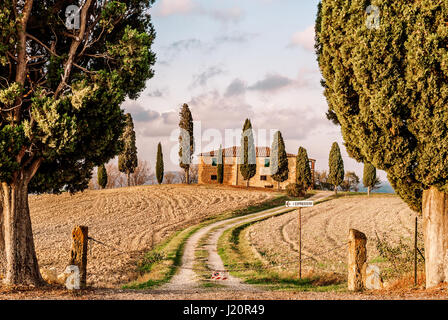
(186, 280)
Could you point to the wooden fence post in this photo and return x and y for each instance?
(357, 257)
(78, 254)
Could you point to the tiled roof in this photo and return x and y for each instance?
(233, 152)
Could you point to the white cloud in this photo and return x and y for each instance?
(304, 39)
(170, 7)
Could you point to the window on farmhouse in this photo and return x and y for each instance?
(267, 163)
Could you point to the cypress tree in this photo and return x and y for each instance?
(336, 165)
(369, 177)
(220, 169)
(279, 159)
(159, 164)
(247, 157)
(127, 160)
(102, 176)
(303, 169)
(186, 140)
(386, 88)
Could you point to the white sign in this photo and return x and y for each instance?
(299, 204)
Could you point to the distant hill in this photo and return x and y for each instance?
(385, 188)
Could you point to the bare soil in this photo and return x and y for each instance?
(325, 230)
(129, 220)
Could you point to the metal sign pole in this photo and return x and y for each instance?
(415, 252)
(300, 243)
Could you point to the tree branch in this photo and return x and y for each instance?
(32, 170)
(21, 48)
(73, 48)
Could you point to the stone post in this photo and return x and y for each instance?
(78, 254)
(357, 257)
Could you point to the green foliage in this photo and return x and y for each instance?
(388, 89)
(159, 164)
(369, 176)
(220, 168)
(303, 169)
(247, 156)
(279, 159)
(149, 259)
(336, 165)
(76, 128)
(400, 255)
(8, 31)
(186, 139)
(11, 141)
(295, 190)
(127, 160)
(102, 176)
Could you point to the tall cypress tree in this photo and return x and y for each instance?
(303, 169)
(159, 164)
(386, 87)
(336, 165)
(127, 160)
(102, 176)
(369, 177)
(220, 169)
(279, 159)
(186, 140)
(247, 157)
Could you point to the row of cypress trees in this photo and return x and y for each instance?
(336, 173)
(128, 161)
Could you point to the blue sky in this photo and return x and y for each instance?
(231, 60)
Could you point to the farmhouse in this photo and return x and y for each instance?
(208, 164)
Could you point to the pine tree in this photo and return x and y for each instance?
(279, 160)
(220, 169)
(60, 97)
(247, 156)
(386, 88)
(159, 164)
(336, 165)
(303, 169)
(102, 176)
(186, 140)
(369, 177)
(127, 160)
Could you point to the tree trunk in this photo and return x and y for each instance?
(129, 179)
(368, 191)
(435, 228)
(247, 183)
(335, 189)
(187, 176)
(278, 185)
(17, 236)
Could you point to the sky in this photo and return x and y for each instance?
(230, 60)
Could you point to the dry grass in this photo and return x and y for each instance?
(325, 231)
(133, 219)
